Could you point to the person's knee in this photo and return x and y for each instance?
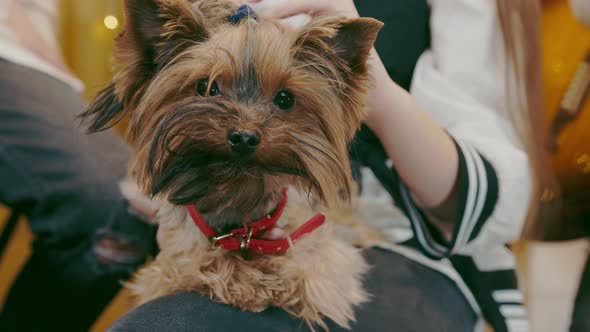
(404, 292)
(190, 311)
(123, 243)
(98, 227)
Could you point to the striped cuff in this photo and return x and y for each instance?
(496, 292)
(477, 192)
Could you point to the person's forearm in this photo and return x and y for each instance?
(423, 154)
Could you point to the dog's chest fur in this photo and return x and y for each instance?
(321, 275)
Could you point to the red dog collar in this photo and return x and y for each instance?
(243, 238)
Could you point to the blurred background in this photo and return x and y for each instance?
(550, 271)
(87, 30)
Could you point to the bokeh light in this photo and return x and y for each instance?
(111, 22)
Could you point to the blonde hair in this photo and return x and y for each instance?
(521, 21)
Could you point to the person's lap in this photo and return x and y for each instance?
(406, 297)
(66, 183)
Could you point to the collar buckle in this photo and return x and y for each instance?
(215, 239)
(242, 237)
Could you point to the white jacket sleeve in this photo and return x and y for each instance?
(581, 9)
(461, 82)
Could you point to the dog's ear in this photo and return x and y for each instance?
(155, 32)
(347, 41)
(353, 42)
(104, 111)
(341, 46)
(158, 30)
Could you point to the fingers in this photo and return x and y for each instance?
(301, 7)
(283, 9)
(286, 8)
(297, 21)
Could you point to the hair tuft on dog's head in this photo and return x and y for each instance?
(225, 114)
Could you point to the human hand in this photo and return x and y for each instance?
(285, 8)
(297, 13)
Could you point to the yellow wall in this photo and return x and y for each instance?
(86, 41)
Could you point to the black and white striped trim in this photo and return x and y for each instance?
(510, 305)
(478, 193)
(497, 294)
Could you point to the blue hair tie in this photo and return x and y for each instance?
(243, 12)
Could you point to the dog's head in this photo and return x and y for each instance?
(223, 113)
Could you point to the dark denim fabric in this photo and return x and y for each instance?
(66, 183)
(406, 297)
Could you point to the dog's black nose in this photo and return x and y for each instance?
(243, 142)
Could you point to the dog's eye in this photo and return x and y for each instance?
(284, 100)
(203, 85)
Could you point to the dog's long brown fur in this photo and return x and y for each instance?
(180, 137)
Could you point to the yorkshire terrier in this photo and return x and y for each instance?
(225, 110)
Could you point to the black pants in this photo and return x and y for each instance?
(581, 315)
(406, 297)
(66, 183)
